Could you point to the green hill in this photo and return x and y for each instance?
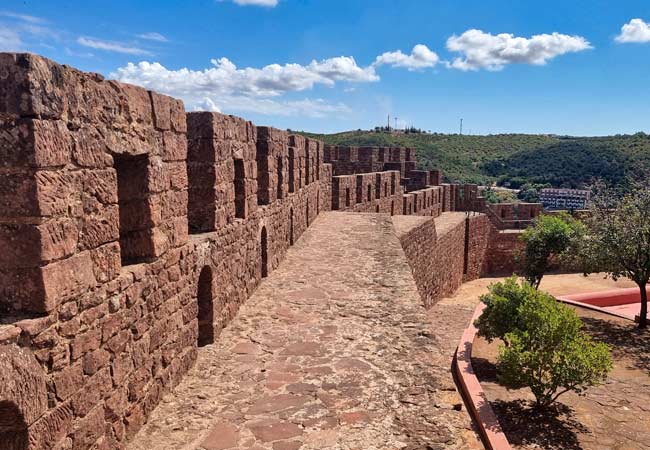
(516, 159)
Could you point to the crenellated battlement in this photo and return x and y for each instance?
(132, 232)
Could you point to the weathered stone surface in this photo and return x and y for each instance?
(22, 383)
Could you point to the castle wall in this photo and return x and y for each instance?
(444, 252)
(503, 252)
(368, 192)
(106, 294)
(132, 232)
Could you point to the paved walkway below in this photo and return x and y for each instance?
(333, 351)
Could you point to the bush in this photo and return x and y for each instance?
(501, 314)
(545, 348)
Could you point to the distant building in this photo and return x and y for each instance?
(570, 199)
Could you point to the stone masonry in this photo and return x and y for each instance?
(131, 233)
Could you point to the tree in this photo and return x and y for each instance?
(549, 353)
(528, 195)
(544, 347)
(501, 313)
(550, 236)
(618, 237)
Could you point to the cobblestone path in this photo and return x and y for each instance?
(333, 351)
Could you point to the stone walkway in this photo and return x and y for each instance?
(333, 351)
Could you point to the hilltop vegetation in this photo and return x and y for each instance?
(514, 160)
(461, 158)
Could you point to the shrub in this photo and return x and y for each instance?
(501, 314)
(545, 348)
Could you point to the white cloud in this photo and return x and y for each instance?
(153, 36)
(224, 86)
(23, 17)
(482, 50)
(421, 57)
(10, 40)
(225, 78)
(111, 46)
(636, 30)
(314, 108)
(267, 3)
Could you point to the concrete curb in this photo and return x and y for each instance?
(476, 400)
(598, 301)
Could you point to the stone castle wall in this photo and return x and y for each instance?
(444, 252)
(132, 232)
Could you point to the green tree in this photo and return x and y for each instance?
(528, 195)
(501, 313)
(549, 353)
(544, 348)
(551, 236)
(618, 238)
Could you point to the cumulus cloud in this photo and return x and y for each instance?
(111, 46)
(267, 3)
(421, 57)
(225, 86)
(482, 50)
(153, 36)
(636, 30)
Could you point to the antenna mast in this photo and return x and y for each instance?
(461, 127)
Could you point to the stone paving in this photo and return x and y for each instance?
(333, 351)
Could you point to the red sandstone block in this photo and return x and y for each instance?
(95, 360)
(178, 232)
(178, 118)
(297, 141)
(149, 243)
(89, 148)
(18, 195)
(134, 420)
(177, 175)
(161, 105)
(138, 103)
(99, 186)
(34, 143)
(85, 342)
(116, 404)
(89, 429)
(24, 245)
(99, 228)
(51, 428)
(200, 125)
(106, 262)
(272, 134)
(28, 86)
(68, 381)
(175, 146)
(203, 175)
(63, 279)
(95, 388)
(157, 178)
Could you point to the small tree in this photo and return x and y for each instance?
(550, 236)
(502, 303)
(550, 354)
(544, 347)
(618, 238)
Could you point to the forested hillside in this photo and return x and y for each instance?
(517, 159)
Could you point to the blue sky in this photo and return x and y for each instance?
(567, 67)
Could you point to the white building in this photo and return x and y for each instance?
(570, 199)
